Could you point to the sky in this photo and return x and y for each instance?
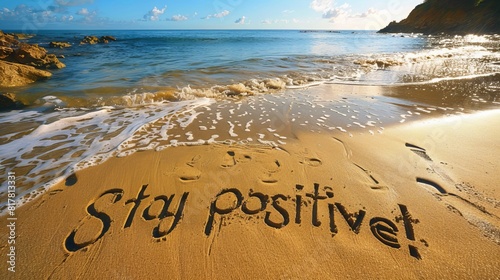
(32, 15)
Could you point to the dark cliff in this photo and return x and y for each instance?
(451, 17)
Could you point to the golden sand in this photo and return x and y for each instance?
(419, 201)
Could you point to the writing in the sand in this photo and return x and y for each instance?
(166, 216)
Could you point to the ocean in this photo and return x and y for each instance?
(150, 90)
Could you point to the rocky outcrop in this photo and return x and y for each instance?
(22, 36)
(8, 101)
(19, 62)
(8, 40)
(36, 56)
(92, 40)
(5, 52)
(451, 17)
(106, 39)
(15, 74)
(60, 45)
(89, 40)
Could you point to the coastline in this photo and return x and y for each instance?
(404, 204)
(271, 120)
(300, 156)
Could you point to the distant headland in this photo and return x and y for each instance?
(450, 17)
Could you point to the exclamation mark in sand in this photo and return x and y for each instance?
(410, 234)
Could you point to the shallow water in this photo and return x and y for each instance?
(188, 64)
(156, 89)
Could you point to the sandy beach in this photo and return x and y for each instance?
(418, 200)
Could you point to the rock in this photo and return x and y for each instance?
(92, 40)
(15, 74)
(18, 61)
(89, 40)
(36, 56)
(5, 52)
(450, 17)
(60, 45)
(8, 101)
(23, 36)
(106, 39)
(7, 40)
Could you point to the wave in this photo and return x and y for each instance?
(124, 76)
(412, 68)
(77, 139)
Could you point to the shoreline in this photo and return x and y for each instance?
(402, 203)
(270, 120)
(267, 168)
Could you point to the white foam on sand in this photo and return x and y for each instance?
(72, 139)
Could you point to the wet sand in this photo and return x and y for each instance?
(417, 199)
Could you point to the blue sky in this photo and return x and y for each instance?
(200, 14)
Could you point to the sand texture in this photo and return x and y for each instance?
(418, 201)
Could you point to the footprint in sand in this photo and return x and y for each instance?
(231, 159)
(473, 213)
(421, 152)
(189, 172)
(310, 161)
(432, 184)
(270, 170)
(377, 185)
(241, 158)
(314, 162)
(434, 168)
(270, 167)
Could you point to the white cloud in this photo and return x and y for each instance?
(178, 18)
(321, 5)
(5, 13)
(240, 20)
(340, 13)
(83, 12)
(218, 15)
(329, 10)
(42, 18)
(266, 21)
(66, 18)
(368, 13)
(23, 13)
(332, 13)
(288, 11)
(222, 14)
(88, 16)
(155, 14)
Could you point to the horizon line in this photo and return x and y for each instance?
(195, 29)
